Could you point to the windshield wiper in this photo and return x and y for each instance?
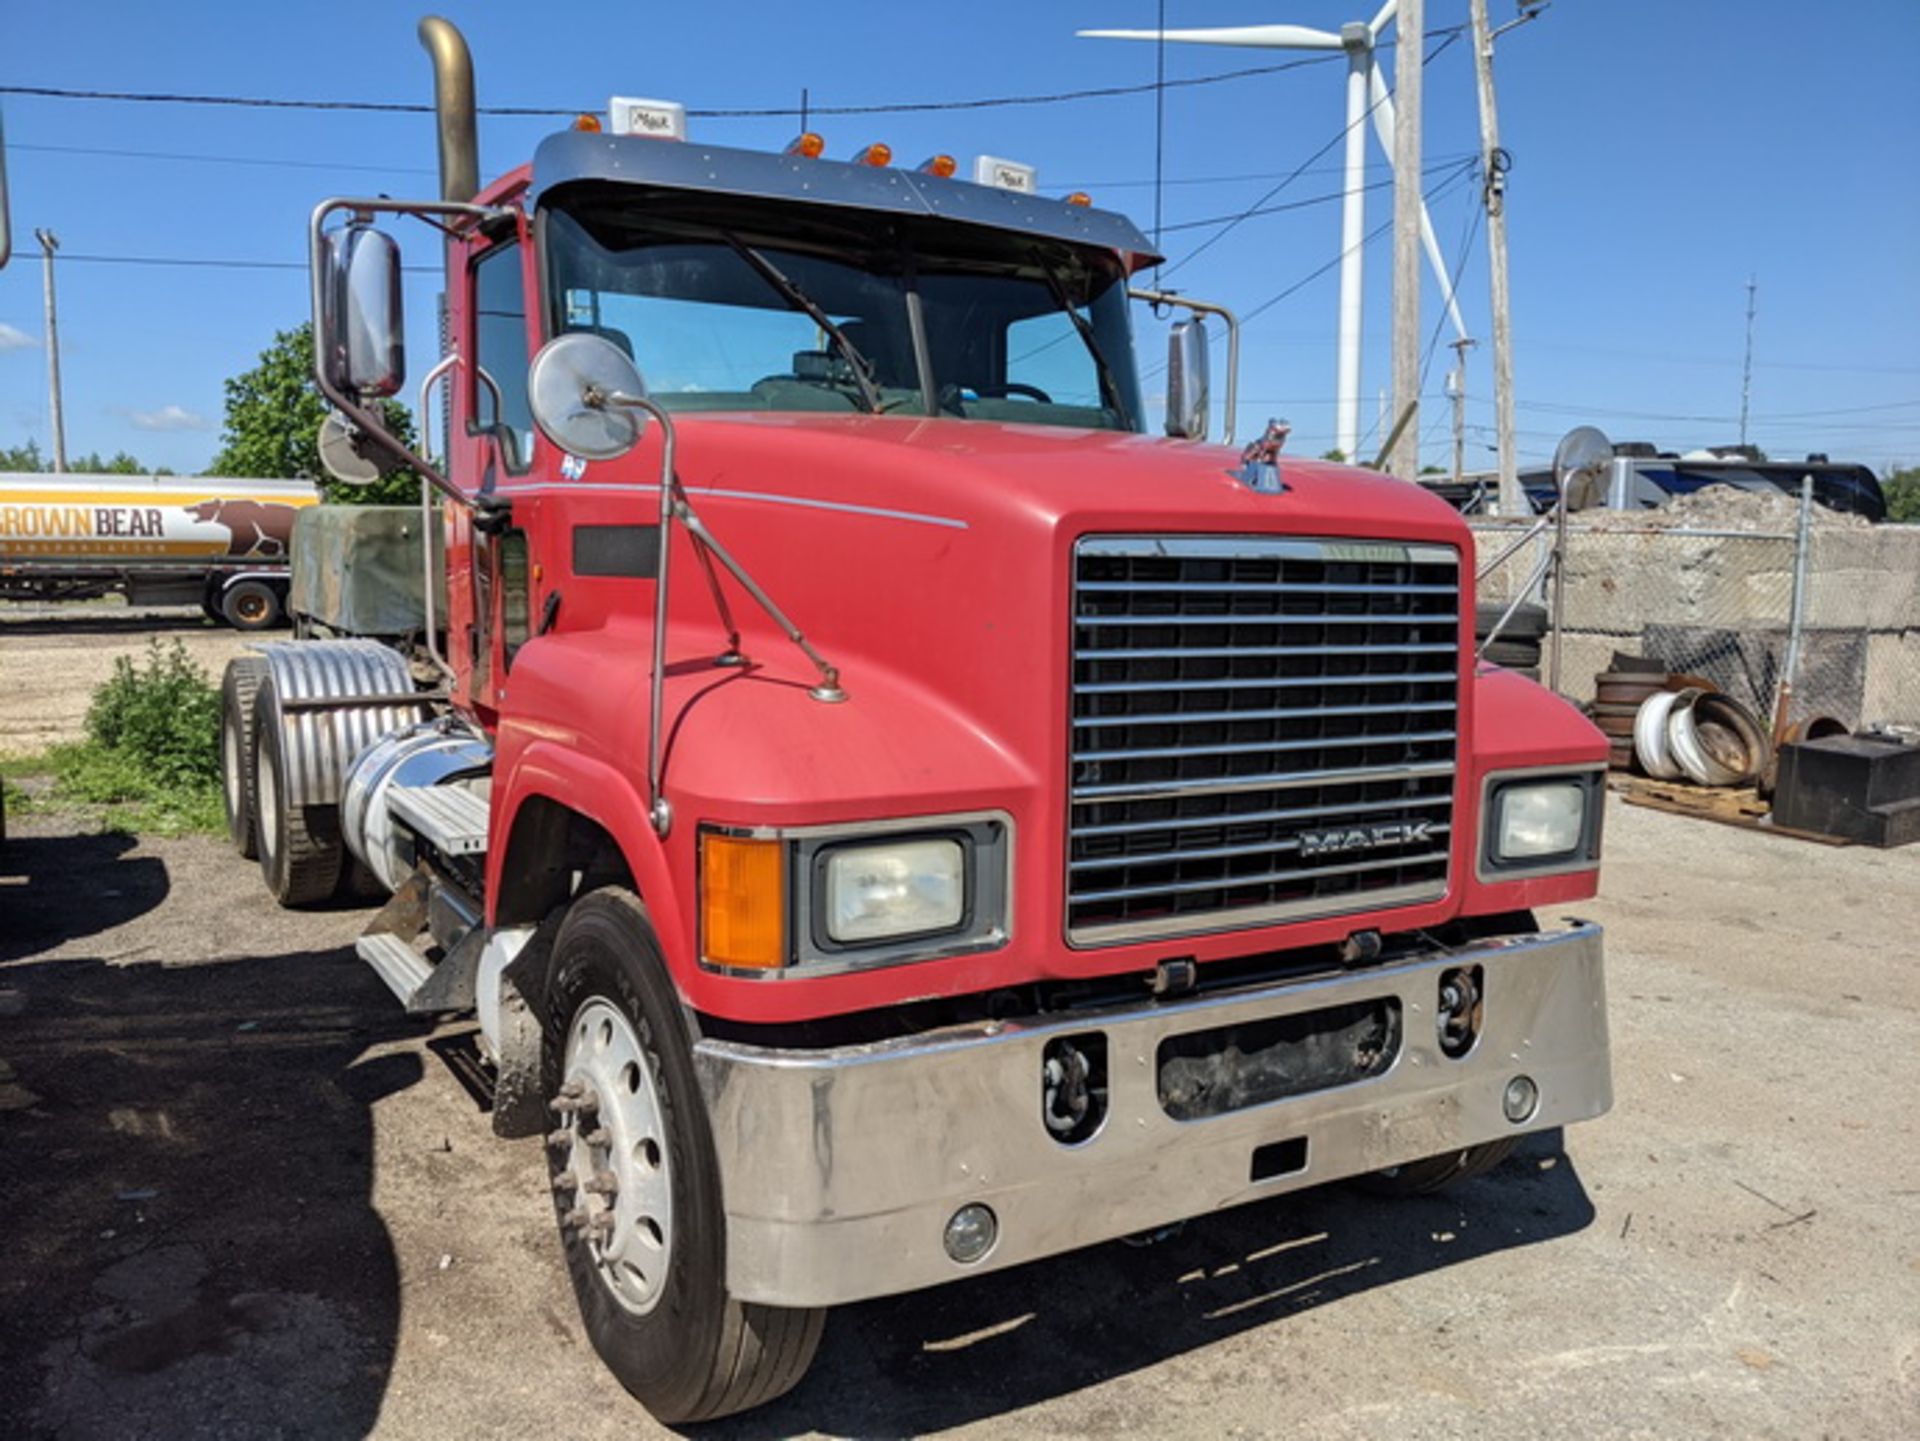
(1109, 385)
(858, 364)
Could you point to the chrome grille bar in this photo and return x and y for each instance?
(1280, 626)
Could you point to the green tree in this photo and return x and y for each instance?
(1336, 455)
(1902, 488)
(23, 458)
(272, 427)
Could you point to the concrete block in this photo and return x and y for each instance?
(1892, 691)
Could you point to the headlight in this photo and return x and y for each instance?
(897, 888)
(1540, 820)
(1541, 823)
(819, 900)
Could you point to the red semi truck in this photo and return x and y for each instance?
(893, 818)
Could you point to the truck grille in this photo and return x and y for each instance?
(1263, 729)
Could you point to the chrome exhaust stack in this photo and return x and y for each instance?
(453, 106)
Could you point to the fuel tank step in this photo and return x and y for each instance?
(403, 968)
(453, 819)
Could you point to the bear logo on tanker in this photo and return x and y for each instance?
(254, 527)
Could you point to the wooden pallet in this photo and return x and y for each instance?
(1727, 805)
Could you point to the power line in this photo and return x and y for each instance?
(1327, 197)
(1230, 223)
(394, 107)
(1446, 158)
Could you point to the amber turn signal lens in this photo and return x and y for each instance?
(589, 123)
(1080, 197)
(808, 145)
(941, 165)
(743, 902)
(875, 154)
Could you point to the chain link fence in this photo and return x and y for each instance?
(1781, 597)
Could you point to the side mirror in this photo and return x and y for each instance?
(574, 389)
(1187, 395)
(362, 346)
(1580, 465)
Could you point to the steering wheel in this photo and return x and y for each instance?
(1011, 388)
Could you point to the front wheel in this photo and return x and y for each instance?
(637, 1184)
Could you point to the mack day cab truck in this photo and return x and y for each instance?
(894, 819)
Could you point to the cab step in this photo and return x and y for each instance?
(402, 967)
(452, 819)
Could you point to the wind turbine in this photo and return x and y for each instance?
(1366, 90)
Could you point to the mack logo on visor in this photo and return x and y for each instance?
(1363, 838)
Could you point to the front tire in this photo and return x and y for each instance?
(637, 1183)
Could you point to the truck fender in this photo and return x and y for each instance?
(554, 776)
(332, 699)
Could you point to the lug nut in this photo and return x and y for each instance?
(597, 1138)
(565, 1182)
(575, 1219)
(603, 1183)
(561, 1137)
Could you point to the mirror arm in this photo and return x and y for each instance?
(674, 505)
(1207, 307)
(366, 417)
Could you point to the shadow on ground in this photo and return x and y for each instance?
(55, 889)
(139, 625)
(977, 1349)
(190, 1244)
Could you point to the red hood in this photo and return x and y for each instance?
(973, 471)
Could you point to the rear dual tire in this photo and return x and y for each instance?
(651, 1286)
(238, 688)
(299, 847)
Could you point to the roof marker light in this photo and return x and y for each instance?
(655, 119)
(876, 154)
(941, 165)
(1080, 198)
(588, 123)
(1005, 174)
(807, 144)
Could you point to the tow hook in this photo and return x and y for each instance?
(1459, 1010)
(1073, 1086)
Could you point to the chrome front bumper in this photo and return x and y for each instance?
(840, 1168)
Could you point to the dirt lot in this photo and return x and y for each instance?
(52, 657)
(244, 1197)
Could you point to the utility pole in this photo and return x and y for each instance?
(1494, 163)
(1746, 370)
(1409, 25)
(49, 242)
(1457, 393)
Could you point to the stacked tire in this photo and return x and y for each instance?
(1518, 645)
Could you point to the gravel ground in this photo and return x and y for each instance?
(245, 1197)
(52, 657)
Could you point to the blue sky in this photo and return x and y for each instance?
(1662, 153)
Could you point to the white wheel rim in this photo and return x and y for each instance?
(616, 1129)
(266, 799)
(230, 769)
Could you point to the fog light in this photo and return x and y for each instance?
(1521, 1100)
(971, 1232)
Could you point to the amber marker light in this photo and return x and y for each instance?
(941, 165)
(588, 123)
(808, 145)
(743, 902)
(1080, 198)
(875, 154)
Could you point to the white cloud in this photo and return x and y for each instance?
(169, 417)
(13, 338)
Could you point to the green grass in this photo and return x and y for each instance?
(150, 764)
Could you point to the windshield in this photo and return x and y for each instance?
(730, 304)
